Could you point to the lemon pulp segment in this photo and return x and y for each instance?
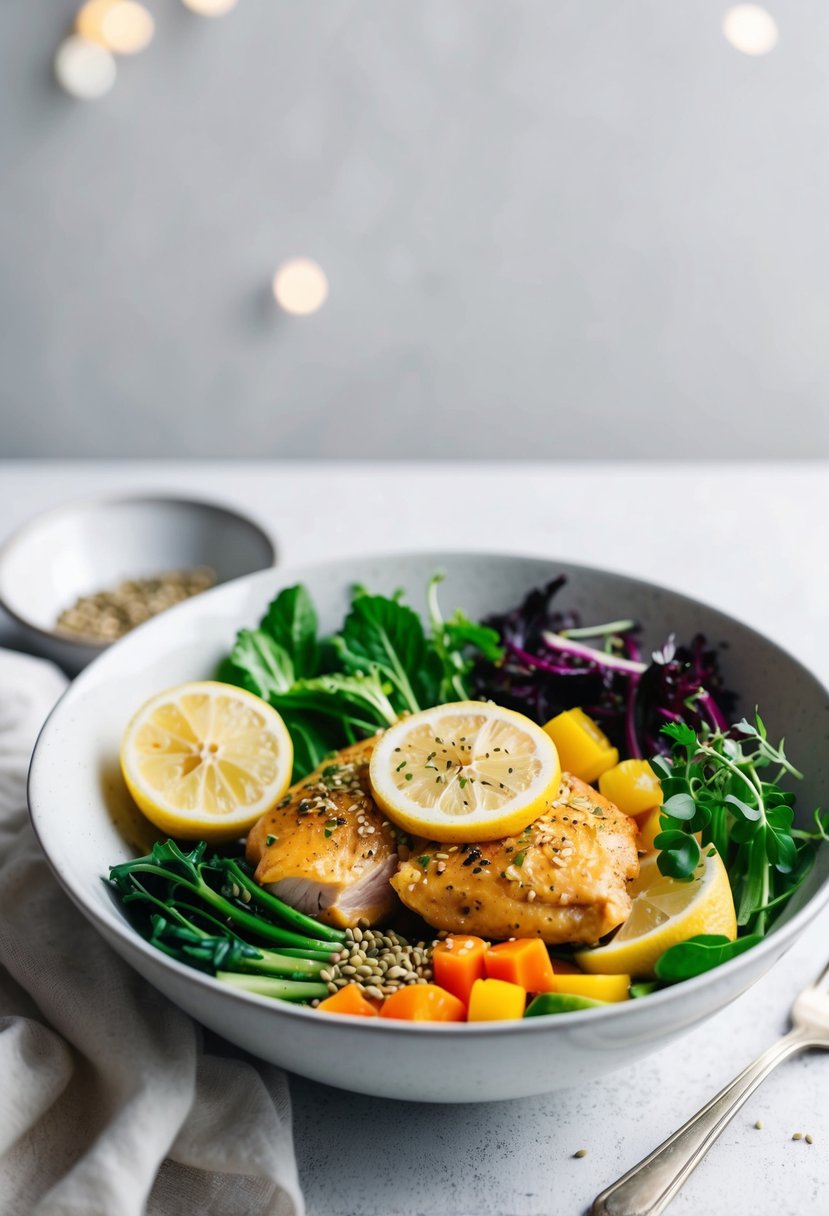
(464, 771)
(206, 759)
(666, 911)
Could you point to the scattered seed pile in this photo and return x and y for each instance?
(380, 961)
(108, 615)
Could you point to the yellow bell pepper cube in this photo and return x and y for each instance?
(583, 749)
(495, 1001)
(649, 829)
(598, 987)
(632, 785)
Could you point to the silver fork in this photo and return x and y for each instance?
(649, 1187)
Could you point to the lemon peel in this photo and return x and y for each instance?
(464, 771)
(204, 760)
(666, 911)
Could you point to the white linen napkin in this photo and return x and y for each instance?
(109, 1103)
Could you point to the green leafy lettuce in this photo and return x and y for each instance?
(382, 663)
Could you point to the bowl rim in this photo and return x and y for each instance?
(776, 942)
(22, 533)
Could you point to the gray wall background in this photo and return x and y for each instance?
(552, 228)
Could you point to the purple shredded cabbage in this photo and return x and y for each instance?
(631, 700)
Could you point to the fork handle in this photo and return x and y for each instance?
(648, 1188)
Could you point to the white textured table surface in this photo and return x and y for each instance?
(753, 541)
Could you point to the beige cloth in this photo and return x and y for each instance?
(109, 1103)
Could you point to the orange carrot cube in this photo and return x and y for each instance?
(350, 999)
(524, 962)
(457, 962)
(423, 1003)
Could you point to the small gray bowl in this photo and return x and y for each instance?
(85, 547)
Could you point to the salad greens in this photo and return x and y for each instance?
(700, 953)
(716, 784)
(192, 907)
(335, 690)
(548, 668)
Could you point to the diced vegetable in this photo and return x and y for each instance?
(457, 963)
(598, 987)
(349, 1000)
(559, 1002)
(495, 1000)
(583, 749)
(649, 828)
(524, 962)
(632, 785)
(423, 1003)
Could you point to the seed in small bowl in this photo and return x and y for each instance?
(107, 615)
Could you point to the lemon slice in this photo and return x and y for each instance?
(464, 771)
(666, 911)
(205, 760)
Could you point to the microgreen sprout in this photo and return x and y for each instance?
(717, 783)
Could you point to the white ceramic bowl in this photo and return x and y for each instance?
(86, 822)
(85, 547)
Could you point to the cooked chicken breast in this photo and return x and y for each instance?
(564, 879)
(326, 848)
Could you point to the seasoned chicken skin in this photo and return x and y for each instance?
(326, 848)
(563, 879)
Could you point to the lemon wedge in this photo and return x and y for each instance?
(666, 911)
(468, 770)
(204, 760)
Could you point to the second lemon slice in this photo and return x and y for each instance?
(666, 911)
(465, 771)
(205, 760)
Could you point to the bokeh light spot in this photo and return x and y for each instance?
(210, 8)
(300, 287)
(750, 29)
(84, 69)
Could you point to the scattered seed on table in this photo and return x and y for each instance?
(582, 1152)
(809, 1139)
(797, 1136)
(759, 1125)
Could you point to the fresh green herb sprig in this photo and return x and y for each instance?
(718, 784)
(195, 908)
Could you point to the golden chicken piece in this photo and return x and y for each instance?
(563, 879)
(326, 848)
